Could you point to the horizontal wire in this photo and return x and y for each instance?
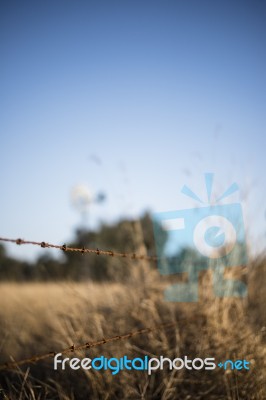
(87, 345)
(82, 250)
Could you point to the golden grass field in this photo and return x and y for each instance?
(37, 318)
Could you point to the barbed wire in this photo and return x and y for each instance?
(82, 250)
(87, 345)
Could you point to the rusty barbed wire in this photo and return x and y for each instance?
(87, 345)
(82, 250)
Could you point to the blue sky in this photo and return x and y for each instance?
(132, 98)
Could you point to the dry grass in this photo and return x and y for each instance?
(36, 318)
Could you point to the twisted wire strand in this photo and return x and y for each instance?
(87, 345)
(82, 250)
(71, 349)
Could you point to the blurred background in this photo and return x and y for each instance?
(108, 108)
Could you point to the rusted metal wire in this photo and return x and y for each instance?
(84, 346)
(82, 250)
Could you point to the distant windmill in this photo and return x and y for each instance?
(82, 198)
